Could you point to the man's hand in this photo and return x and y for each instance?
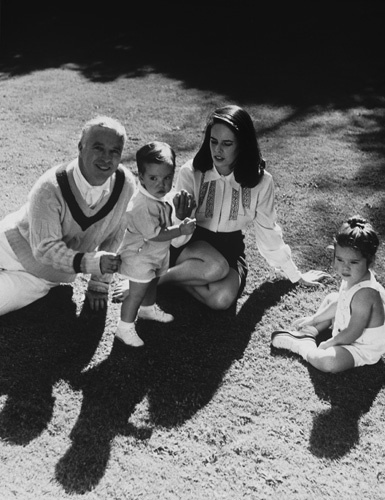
(184, 204)
(109, 263)
(97, 300)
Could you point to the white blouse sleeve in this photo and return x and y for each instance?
(268, 233)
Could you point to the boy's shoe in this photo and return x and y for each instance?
(291, 341)
(129, 337)
(155, 313)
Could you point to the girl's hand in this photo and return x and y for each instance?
(184, 204)
(301, 322)
(326, 344)
(312, 278)
(187, 226)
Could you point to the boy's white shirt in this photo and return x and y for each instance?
(168, 198)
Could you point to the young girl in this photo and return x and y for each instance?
(356, 313)
(145, 248)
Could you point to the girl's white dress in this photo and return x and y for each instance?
(370, 346)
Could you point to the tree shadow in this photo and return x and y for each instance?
(274, 57)
(179, 369)
(41, 343)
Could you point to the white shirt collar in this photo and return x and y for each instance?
(144, 191)
(91, 194)
(214, 175)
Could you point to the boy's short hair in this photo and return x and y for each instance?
(155, 152)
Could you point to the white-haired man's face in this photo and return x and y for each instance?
(100, 153)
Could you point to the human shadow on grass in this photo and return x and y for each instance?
(40, 344)
(179, 369)
(190, 360)
(350, 394)
(111, 391)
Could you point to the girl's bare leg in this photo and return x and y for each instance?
(331, 360)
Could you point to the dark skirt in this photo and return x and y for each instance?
(230, 245)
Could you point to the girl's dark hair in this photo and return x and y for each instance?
(155, 152)
(359, 234)
(249, 164)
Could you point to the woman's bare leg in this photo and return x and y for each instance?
(219, 295)
(198, 264)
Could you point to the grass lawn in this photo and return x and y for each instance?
(206, 410)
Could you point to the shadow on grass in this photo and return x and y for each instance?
(111, 390)
(205, 344)
(350, 394)
(40, 344)
(179, 369)
(275, 57)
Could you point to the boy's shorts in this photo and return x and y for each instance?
(143, 269)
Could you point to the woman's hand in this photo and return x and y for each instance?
(184, 204)
(312, 278)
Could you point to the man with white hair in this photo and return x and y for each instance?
(72, 222)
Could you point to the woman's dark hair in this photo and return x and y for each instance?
(155, 152)
(249, 164)
(358, 233)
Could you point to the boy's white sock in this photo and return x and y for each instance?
(124, 325)
(147, 308)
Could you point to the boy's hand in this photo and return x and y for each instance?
(184, 204)
(109, 263)
(187, 226)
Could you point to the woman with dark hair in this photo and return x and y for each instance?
(231, 187)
